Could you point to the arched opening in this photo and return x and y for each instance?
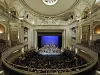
(2, 29)
(86, 13)
(97, 29)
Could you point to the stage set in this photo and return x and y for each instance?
(50, 43)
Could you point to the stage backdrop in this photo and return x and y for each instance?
(50, 40)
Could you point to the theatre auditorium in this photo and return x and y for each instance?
(49, 37)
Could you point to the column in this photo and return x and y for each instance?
(32, 38)
(18, 32)
(8, 34)
(66, 36)
(70, 39)
(22, 35)
(63, 39)
(91, 32)
(91, 35)
(29, 39)
(8, 26)
(22, 50)
(35, 38)
(77, 34)
(21, 32)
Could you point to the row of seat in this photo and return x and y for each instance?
(34, 61)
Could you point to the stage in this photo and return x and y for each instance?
(50, 50)
(50, 53)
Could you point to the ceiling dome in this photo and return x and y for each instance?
(58, 8)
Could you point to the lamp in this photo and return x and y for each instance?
(1, 32)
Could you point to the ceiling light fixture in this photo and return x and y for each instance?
(50, 2)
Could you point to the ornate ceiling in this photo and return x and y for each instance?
(37, 7)
(38, 13)
(61, 7)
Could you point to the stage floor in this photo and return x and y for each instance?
(50, 53)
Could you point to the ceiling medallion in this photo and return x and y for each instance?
(50, 2)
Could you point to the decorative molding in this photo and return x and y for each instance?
(41, 15)
(94, 17)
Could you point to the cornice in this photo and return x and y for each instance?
(47, 26)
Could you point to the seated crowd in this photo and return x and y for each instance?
(35, 62)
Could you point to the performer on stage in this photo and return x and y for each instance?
(50, 49)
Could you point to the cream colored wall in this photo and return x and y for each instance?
(3, 36)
